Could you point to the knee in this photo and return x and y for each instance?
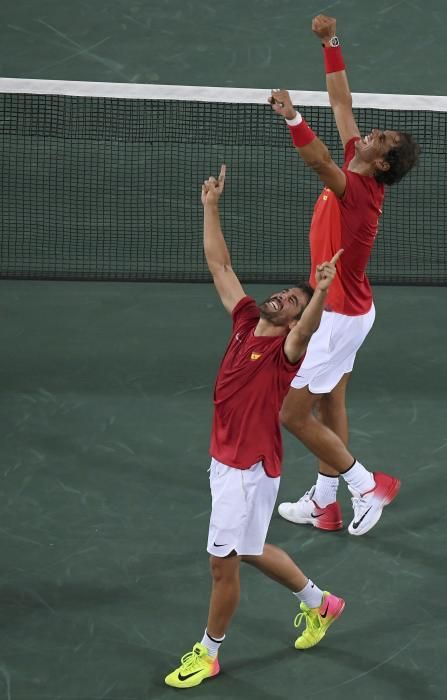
(215, 568)
(221, 568)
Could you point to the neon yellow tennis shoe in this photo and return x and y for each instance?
(318, 620)
(194, 667)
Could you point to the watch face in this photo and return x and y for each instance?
(334, 42)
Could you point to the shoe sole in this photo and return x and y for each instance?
(386, 499)
(193, 685)
(314, 522)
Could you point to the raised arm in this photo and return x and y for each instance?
(336, 79)
(300, 335)
(313, 151)
(216, 252)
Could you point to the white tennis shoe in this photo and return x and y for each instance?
(368, 507)
(307, 512)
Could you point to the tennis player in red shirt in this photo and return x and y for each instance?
(265, 350)
(346, 216)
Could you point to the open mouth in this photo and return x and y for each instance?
(274, 304)
(366, 139)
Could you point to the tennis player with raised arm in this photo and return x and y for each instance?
(265, 350)
(346, 215)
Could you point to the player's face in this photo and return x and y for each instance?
(284, 307)
(376, 145)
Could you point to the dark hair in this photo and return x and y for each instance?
(401, 159)
(308, 290)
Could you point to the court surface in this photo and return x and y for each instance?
(105, 408)
(254, 43)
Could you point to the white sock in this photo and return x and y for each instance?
(311, 595)
(359, 479)
(211, 643)
(325, 490)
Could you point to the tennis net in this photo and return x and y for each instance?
(101, 181)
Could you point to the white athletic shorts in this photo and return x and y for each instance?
(332, 350)
(242, 507)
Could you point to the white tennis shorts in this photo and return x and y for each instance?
(332, 350)
(242, 507)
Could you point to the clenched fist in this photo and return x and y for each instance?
(324, 27)
(282, 104)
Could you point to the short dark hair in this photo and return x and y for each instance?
(308, 290)
(401, 159)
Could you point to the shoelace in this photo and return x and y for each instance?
(189, 660)
(305, 616)
(306, 497)
(359, 503)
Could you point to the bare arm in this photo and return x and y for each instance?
(216, 252)
(315, 154)
(337, 84)
(300, 335)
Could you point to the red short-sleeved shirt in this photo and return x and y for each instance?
(350, 222)
(252, 381)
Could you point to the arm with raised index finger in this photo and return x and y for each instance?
(216, 251)
(298, 338)
(336, 79)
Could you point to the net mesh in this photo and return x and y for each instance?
(102, 188)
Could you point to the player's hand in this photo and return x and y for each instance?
(282, 104)
(324, 27)
(326, 272)
(212, 188)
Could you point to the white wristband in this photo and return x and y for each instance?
(297, 119)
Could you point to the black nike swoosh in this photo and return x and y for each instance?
(325, 612)
(184, 678)
(312, 515)
(355, 525)
(219, 545)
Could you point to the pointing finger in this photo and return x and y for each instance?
(336, 257)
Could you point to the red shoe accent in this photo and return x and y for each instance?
(332, 605)
(328, 518)
(387, 487)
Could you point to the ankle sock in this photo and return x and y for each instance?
(311, 595)
(359, 479)
(325, 490)
(211, 643)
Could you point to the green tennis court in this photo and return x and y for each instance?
(106, 386)
(106, 414)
